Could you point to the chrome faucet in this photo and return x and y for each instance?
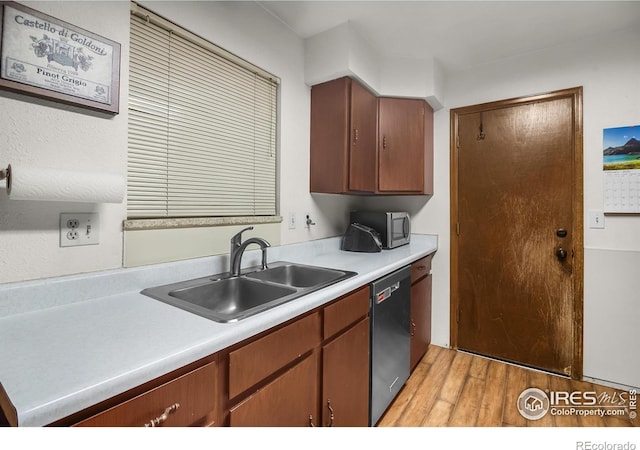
(238, 247)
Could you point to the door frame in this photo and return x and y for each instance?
(575, 94)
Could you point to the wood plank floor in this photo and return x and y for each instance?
(457, 389)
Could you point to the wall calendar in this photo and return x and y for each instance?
(621, 164)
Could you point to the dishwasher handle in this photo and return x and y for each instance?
(387, 292)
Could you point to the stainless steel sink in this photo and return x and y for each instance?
(298, 275)
(225, 298)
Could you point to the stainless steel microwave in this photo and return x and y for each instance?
(394, 227)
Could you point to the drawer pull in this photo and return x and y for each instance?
(422, 267)
(331, 415)
(162, 418)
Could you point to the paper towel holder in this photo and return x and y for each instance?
(62, 185)
(6, 173)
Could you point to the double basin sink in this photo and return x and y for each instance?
(226, 298)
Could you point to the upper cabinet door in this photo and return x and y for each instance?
(363, 139)
(330, 124)
(402, 145)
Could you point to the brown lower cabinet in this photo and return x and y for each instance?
(188, 400)
(310, 371)
(345, 378)
(321, 377)
(420, 309)
(290, 400)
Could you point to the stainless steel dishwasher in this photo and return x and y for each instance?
(390, 339)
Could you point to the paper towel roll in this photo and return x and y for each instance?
(31, 183)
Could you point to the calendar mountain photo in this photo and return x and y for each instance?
(624, 157)
(631, 147)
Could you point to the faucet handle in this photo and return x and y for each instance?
(237, 238)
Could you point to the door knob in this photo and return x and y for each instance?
(561, 253)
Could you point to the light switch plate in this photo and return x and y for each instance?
(292, 221)
(79, 229)
(596, 219)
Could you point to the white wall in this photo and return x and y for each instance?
(341, 51)
(338, 52)
(43, 133)
(607, 67)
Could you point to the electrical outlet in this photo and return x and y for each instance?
(79, 229)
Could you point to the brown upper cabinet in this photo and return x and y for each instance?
(405, 146)
(343, 137)
(364, 144)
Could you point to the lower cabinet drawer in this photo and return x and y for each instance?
(263, 357)
(185, 401)
(345, 311)
(421, 268)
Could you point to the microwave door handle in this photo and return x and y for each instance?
(406, 226)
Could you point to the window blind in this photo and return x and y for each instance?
(202, 127)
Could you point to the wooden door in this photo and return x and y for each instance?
(345, 378)
(401, 145)
(517, 244)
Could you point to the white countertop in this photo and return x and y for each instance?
(71, 342)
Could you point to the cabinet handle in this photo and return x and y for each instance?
(413, 328)
(355, 135)
(165, 415)
(311, 421)
(331, 415)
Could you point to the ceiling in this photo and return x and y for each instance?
(459, 34)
